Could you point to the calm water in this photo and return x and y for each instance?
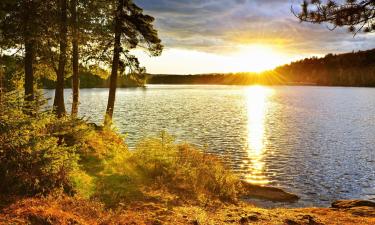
(317, 142)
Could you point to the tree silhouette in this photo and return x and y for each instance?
(58, 104)
(132, 29)
(20, 28)
(356, 15)
(75, 56)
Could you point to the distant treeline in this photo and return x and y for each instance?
(13, 77)
(229, 79)
(349, 69)
(90, 80)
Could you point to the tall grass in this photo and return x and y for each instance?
(41, 153)
(158, 163)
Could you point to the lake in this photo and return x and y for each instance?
(317, 142)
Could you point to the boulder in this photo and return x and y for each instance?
(267, 193)
(347, 204)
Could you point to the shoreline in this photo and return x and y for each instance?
(71, 210)
(229, 85)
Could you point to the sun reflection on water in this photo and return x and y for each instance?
(257, 97)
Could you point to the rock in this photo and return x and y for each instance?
(35, 219)
(195, 222)
(247, 219)
(347, 204)
(96, 126)
(243, 220)
(291, 222)
(253, 218)
(363, 211)
(157, 222)
(267, 193)
(361, 208)
(310, 220)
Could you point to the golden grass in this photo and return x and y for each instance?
(69, 210)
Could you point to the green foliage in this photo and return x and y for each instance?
(92, 77)
(115, 175)
(155, 157)
(34, 156)
(40, 153)
(13, 76)
(205, 174)
(184, 170)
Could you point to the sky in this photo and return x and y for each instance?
(207, 36)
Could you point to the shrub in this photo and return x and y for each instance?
(205, 174)
(155, 167)
(34, 158)
(184, 170)
(155, 157)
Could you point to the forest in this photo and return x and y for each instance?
(54, 40)
(350, 69)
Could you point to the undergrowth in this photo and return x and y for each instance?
(41, 154)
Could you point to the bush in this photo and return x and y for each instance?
(184, 170)
(34, 157)
(205, 174)
(156, 167)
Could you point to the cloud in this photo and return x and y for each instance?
(220, 26)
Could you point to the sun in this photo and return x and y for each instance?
(240, 58)
(258, 58)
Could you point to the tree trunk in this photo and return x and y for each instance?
(75, 58)
(115, 65)
(29, 43)
(59, 105)
(29, 70)
(2, 83)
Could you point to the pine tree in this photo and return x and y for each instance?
(132, 28)
(354, 14)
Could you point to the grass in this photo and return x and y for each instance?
(41, 154)
(73, 210)
(121, 176)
